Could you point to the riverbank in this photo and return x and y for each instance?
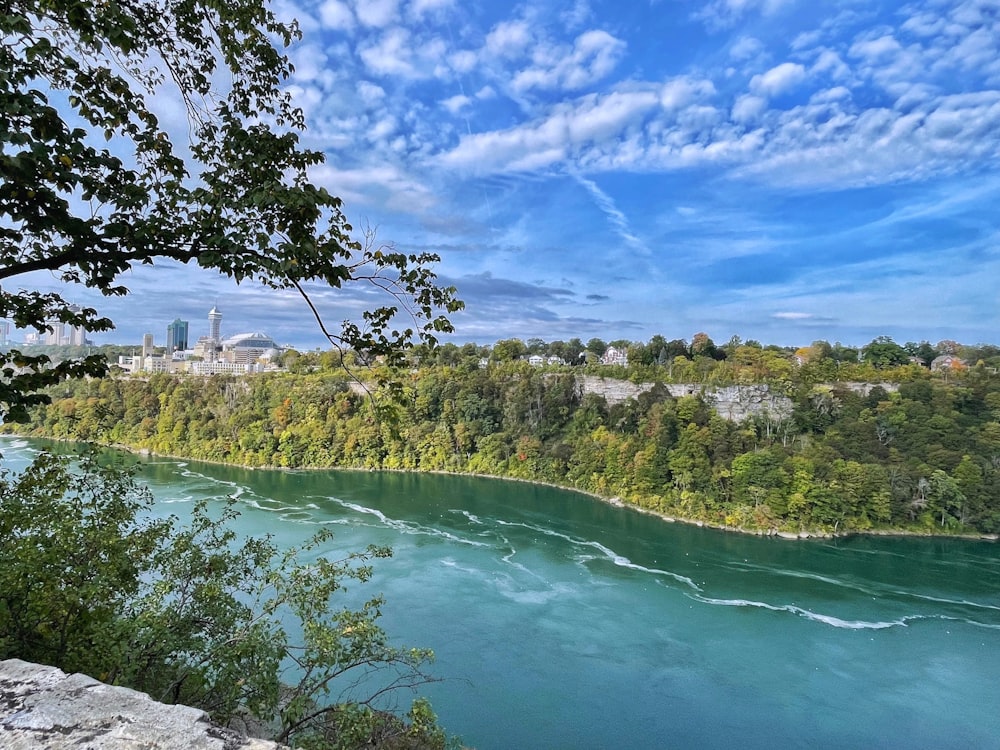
(615, 501)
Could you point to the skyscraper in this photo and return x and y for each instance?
(177, 336)
(214, 324)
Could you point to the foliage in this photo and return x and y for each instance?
(849, 457)
(90, 583)
(93, 183)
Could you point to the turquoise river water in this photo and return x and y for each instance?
(559, 621)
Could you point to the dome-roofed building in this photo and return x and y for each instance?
(247, 348)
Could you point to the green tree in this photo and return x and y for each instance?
(509, 350)
(93, 185)
(884, 352)
(237, 199)
(191, 615)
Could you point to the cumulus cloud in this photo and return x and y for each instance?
(745, 48)
(576, 16)
(335, 14)
(419, 8)
(829, 63)
(778, 80)
(456, 104)
(592, 56)
(681, 92)
(397, 53)
(370, 93)
(723, 14)
(550, 139)
(748, 108)
(378, 184)
(509, 39)
(377, 13)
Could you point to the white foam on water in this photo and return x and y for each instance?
(839, 582)
(836, 622)
(943, 600)
(406, 527)
(473, 518)
(172, 500)
(608, 554)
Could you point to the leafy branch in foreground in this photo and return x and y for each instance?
(93, 184)
(195, 615)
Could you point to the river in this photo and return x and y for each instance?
(559, 621)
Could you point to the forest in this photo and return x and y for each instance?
(915, 449)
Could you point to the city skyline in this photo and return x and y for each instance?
(772, 169)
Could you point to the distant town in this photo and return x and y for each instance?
(210, 355)
(255, 352)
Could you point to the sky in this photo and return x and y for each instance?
(780, 170)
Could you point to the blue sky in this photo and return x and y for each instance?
(783, 170)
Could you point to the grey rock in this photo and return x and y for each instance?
(43, 708)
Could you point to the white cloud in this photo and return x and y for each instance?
(577, 16)
(745, 48)
(680, 92)
(778, 80)
(376, 184)
(830, 63)
(397, 53)
(382, 129)
(723, 14)
(420, 8)
(748, 108)
(876, 50)
(335, 14)
(377, 13)
(593, 55)
(542, 143)
(390, 55)
(456, 104)
(877, 146)
(835, 94)
(462, 61)
(508, 39)
(793, 315)
(370, 93)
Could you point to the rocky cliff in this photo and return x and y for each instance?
(45, 708)
(735, 402)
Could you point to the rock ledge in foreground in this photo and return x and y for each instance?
(43, 707)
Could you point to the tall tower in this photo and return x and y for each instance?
(214, 324)
(147, 345)
(74, 335)
(177, 336)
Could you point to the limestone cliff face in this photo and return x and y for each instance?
(735, 402)
(45, 708)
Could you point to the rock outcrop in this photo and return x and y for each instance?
(43, 708)
(735, 403)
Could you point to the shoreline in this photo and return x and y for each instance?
(613, 501)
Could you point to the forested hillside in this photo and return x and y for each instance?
(924, 457)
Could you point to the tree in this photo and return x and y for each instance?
(190, 615)
(509, 350)
(94, 185)
(884, 352)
